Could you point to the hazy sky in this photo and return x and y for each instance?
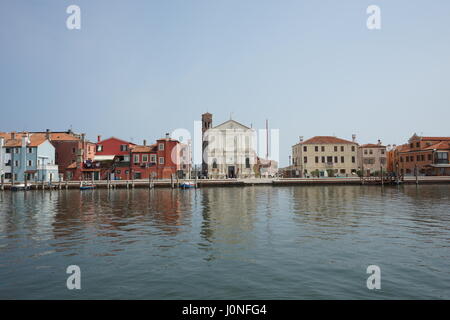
(139, 69)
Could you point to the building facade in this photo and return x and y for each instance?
(325, 156)
(228, 150)
(159, 161)
(423, 155)
(372, 158)
(28, 157)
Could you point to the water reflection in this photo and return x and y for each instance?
(273, 240)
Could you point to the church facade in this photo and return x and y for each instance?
(229, 149)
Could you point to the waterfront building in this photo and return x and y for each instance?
(325, 156)
(423, 155)
(160, 160)
(228, 149)
(372, 158)
(28, 156)
(112, 159)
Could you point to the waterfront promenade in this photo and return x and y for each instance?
(174, 183)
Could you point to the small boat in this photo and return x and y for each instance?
(87, 187)
(19, 187)
(187, 185)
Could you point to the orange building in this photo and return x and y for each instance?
(422, 155)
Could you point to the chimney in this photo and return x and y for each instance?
(24, 140)
(47, 134)
(301, 138)
(354, 137)
(145, 142)
(83, 137)
(167, 136)
(13, 135)
(379, 142)
(99, 138)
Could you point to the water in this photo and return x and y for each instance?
(305, 242)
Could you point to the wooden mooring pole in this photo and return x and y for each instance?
(2, 184)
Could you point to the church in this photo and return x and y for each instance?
(229, 149)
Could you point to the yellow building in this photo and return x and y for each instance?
(325, 156)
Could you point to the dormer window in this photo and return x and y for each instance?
(161, 146)
(123, 147)
(99, 148)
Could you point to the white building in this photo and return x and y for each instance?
(229, 149)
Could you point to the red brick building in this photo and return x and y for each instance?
(160, 160)
(122, 160)
(426, 155)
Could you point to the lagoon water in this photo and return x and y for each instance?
(300, 242)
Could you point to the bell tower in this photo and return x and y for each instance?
(206, 124)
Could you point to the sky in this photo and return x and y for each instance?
(138, 69)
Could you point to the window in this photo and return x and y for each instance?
(118, 171)
(335, 159)
(342, 159)
(136, 158)
(145, 158)
(8, 150)
(401, 159)
(353, 148)
(411, 145)
(305, 148)
(305, 159)
(30, 163)
(17, 150)
(411, 158)
(247, 163)
(335, 148)
(17, 163)
(323, 149)
(161, 160)
(99, 148)
(407, 159)
(316, 148)
(317, 159)
(418, 144)
(153, 158)
(323, 159)
(123, 147)
(429, 156)
(215, 163)
(30, 150)
(365, 151)
(370, 151)
(330, 159)
(353, 159)
(161, 146)
(382, 151)
(383, 160)
(73, 150)
(342, 170)
(342, 148)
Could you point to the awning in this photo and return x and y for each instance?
(438, 165)
(104, 158)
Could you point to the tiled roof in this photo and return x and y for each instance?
(327, 140)
(436, 138)
(149, 148)
(372, 145)
(443, 145)
(35, 140)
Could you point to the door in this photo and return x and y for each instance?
(231, 172)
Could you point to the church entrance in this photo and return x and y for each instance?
(231, 172)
